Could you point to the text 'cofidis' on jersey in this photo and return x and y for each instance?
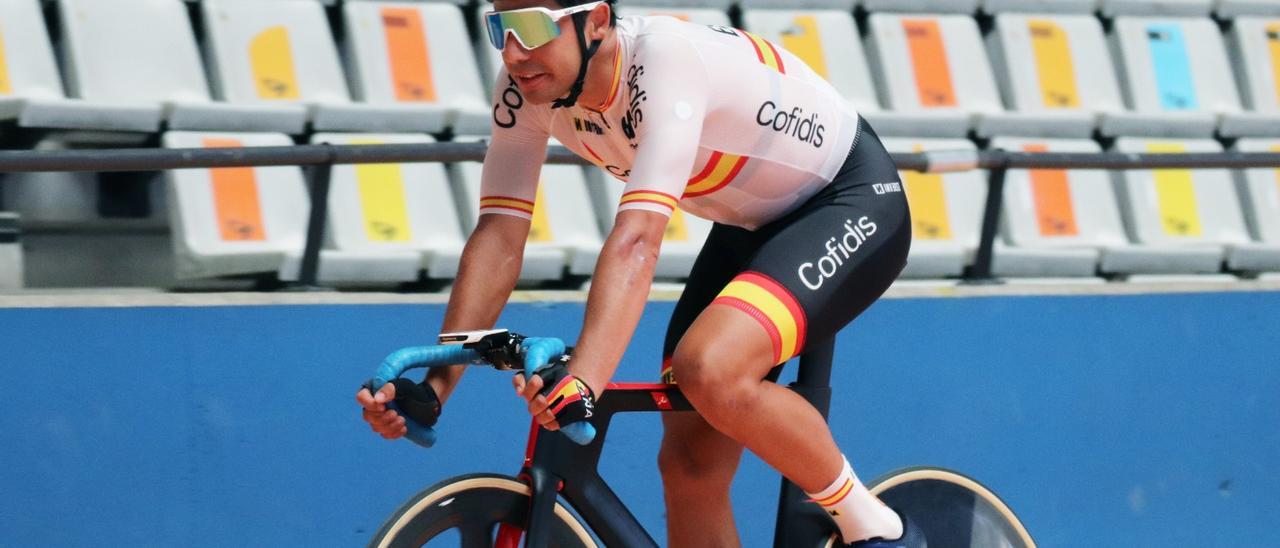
(792, 123)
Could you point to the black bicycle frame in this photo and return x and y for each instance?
(554, 465)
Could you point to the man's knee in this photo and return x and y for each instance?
(709, 381)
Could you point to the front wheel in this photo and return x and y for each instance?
(485, 510)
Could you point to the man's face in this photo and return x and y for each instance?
(546, 73)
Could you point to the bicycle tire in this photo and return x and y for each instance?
(953, 508)
(475, 505)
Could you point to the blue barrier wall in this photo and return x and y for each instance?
(1105, 420)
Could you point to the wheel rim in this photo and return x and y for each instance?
(940, 497)
(475, 508)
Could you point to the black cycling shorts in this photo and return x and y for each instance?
(812, 271)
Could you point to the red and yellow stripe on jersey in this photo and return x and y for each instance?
(667, 376)
(568, 391)
(771, 304)
(506, 205)
(721, 169)
(767, 53)
(636, 197)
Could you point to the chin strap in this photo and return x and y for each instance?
(588, 51)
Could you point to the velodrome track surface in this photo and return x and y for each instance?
(1111, 416)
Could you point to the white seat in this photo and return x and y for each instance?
(1188, 8)
(1057, 222)
(282, 52)
(946, 211)
(31, 90)
(1175, 75)
(416, 58)
(234, 220)
(684, 237)
(11, 276)
(142, 53)
(1255, 48)
(564, 233)
(1193, 214)
(392, 219)
(828, 41)
(844, 5)
(922, 6)
(932, 72)
(722, 5)
(1235, 8)
(701, 16)
(1260, 190)
(1056, 74)
(1040, 6)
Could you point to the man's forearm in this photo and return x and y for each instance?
(619, 291)
(487, 275)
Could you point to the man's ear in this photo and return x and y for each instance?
(598, 21)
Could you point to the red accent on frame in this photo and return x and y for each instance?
(533, 442)
(508, 536)
(660, 398)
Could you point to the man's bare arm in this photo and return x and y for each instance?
(487, 276)
(619, 291)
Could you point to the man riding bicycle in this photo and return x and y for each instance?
(811, 228)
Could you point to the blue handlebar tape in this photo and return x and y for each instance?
(538, 352)
(416, 357)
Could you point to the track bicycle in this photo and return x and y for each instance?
(494, 510)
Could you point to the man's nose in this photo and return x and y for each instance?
(513, 52)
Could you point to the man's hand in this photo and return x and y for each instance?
(385, 422)
(537, 402)
(555, 396)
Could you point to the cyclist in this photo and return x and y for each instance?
(811, 228)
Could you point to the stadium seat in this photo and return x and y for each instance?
(828, 41)
(932, 74)
(946, 211)
(31, 88)
(417, 58)
(565, 232)
(391, 219)
(1194, 215)
(721, 5)
(683, 239)
(11, 275)
(1040, 6)
(1057, 222)
(1056, 74)
(230, 221)
(1260, 190)
(702, 16)
(1175, 74)
(1186, 8)
(844, 5)
(282, 52)
(922, 6)
(1255, 48)
(1234, 8)
(107, 59)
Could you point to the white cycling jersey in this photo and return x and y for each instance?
(714, 120)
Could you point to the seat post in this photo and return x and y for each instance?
(813, 380)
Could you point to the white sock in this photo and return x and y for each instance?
(858, 513)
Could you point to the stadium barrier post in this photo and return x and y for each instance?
(309, 272)
(980, 272)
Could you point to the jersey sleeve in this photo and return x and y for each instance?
(668, 106)
(509, 184)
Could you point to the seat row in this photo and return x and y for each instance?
(397, 222)
(274, 66)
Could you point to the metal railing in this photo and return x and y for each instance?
(321, 158)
